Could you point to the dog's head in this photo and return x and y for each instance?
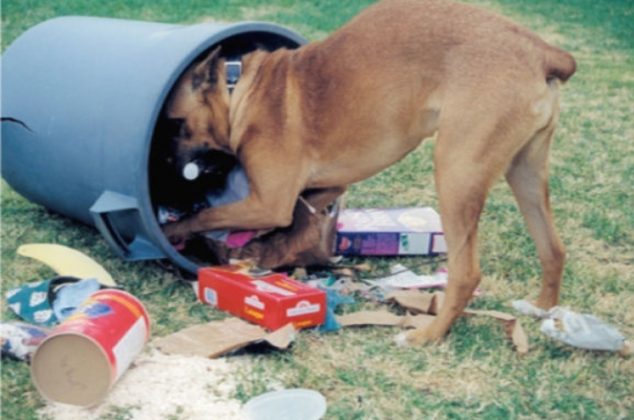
(198, 111)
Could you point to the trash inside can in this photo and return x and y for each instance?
(81, 101)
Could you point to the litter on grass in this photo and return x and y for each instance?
(390, 232)
(423, 308)
(84, 356)
(271, 300)
(403, 278)
(19, 340)
(286, 404)
(583, 331)
(218, 338)
(67, 261)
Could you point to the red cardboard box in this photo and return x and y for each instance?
(271, 301)
(390, 232)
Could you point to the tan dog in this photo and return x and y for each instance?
(337, 111)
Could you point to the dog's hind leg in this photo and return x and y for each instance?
(473, 150)
(528, 178)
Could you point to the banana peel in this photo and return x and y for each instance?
(66, 261)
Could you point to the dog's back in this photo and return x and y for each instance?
(440, 30)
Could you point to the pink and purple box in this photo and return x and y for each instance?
(390, 232)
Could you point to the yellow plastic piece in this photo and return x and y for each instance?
(66, 261)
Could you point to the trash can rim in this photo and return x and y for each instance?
(229, 30)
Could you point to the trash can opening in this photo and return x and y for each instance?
(211, 178)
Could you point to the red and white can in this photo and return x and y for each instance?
(87, 353)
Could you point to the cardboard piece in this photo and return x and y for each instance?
(430, 303)
(217, 338)
(271, 301)
(389, 232)
(417, 301)
(512, 326)
(384, 318)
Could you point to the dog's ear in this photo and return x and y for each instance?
(206, 72)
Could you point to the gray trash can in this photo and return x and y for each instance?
(80, 102)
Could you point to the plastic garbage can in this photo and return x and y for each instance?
(81, 98)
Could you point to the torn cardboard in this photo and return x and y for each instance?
(430, 303)
(417, 301)
(217, 338)
(512, 327)
(385, 318)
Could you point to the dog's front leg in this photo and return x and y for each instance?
(273, 191)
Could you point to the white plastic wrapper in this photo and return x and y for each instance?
(524, 307)
(582, 330)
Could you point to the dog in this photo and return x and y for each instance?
(338, 111)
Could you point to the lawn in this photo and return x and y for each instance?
(474, 372)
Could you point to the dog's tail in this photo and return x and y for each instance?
(558, 64)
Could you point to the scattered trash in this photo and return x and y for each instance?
(525, 307)
(417, 301)
(169, 215)
(271, 300)
(85, 355)
(286, 404)
(66, 261)
(384, 318)
(512, 326)
(19, 340)
(217, 338)
(390, 232)
(583, 331)
(334, 299)
(70, 296)
(430, 303)
(404, 278)
(33, 301)
(48, 302)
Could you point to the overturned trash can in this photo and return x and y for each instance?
(81, 99)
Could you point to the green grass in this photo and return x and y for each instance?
(474, 373)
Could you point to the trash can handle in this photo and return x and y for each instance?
(109, 203)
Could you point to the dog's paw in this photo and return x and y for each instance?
(416, 337)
